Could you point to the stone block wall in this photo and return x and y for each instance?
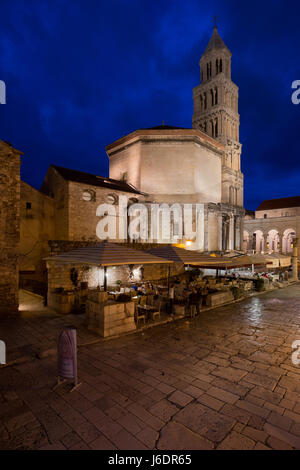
(37, 227)
(56, 187)
(9, 227)
(110, 319)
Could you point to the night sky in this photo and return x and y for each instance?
(83, 73)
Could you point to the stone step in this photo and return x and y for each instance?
(125, 321)
(119, 330)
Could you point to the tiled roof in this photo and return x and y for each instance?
(181, 255)
(282, 203)
(163, 131)
(94, 180)
(162, 127)
(108, 254)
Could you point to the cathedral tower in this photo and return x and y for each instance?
(216, 114)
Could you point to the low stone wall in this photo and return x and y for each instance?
(111, 318)
(219, 298)
(61, 303)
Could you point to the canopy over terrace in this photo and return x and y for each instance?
(277, 260)
(180, 255)
(107, 254)
(248, 260)
(243, 262)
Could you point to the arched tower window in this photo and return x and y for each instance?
(221, 66)
(205, 100)
(212, 127)
(201, 102)
(212, 97)
(217, 66)
(216, 128)
(216, 95)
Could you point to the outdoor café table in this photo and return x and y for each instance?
(115, 294)
(147, 309)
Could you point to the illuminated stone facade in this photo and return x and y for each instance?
(273, 226)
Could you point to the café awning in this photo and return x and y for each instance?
(107, 254)
(180, 255)
(248, 260)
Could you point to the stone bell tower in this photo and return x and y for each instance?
(216, 113)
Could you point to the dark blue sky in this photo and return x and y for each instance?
(82, 73)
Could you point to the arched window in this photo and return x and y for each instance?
(216, 95)
(221, 66)
(205, 100)
(201, 103)
(207, 70)
(217, 66)
(212, 97)
(216, 128)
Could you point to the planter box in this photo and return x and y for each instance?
(219, 298)
(110, 319)
(61, 303)
(179, 310)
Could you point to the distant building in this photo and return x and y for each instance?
(273, 226)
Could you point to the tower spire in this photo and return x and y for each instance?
(215, 21)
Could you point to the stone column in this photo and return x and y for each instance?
(238, 234)
(241, 232)
(231, 232)
(220, 232)
(206, 234)
(279, 246)
(295, 259)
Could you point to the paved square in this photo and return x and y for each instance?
(224, 380)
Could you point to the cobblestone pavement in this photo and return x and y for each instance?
(224, 380)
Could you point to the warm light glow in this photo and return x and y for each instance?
(188, 243)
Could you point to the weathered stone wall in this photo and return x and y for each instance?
(37, 228)
(191, 160)
(82, 222)
(57, 188)
(59, 274)
(9, 227)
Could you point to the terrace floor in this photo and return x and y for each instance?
(224, 380)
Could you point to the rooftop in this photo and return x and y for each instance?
(282, 203)
(94, 180)
(215, 42)
(164, 132)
